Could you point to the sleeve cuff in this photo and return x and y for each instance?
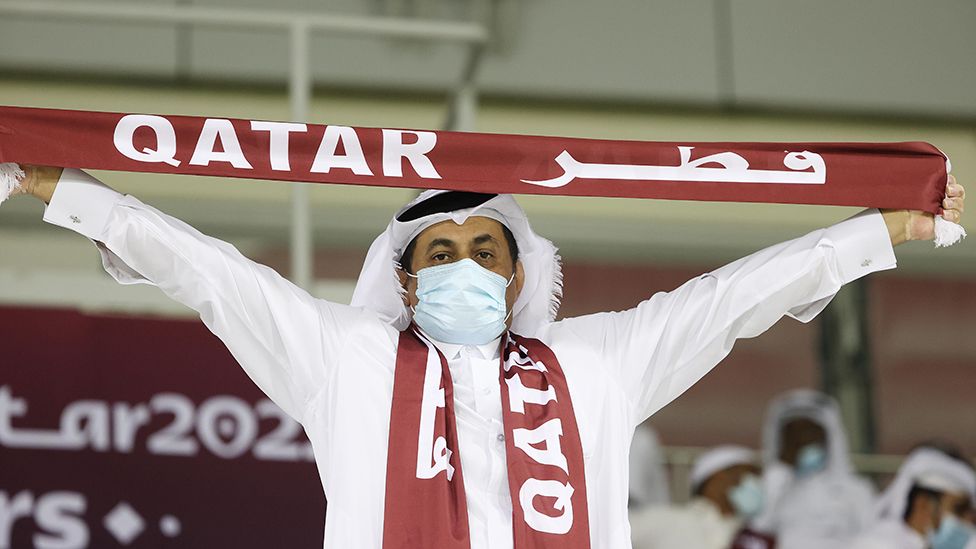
(862, 244)
(81, 203)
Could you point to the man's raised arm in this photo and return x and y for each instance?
(280, 334)
(663, 346)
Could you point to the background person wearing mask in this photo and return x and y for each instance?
(958, 505)
(727, 492)
(814, 500)
(919, 508)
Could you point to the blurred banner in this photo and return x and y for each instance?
(123, 431)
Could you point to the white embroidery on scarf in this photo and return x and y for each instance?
(547, 433)
(433, 455)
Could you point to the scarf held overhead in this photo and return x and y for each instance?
(883, 175)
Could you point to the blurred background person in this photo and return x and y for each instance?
(726, 493)
(919, 509)
(648, 477)
(960, 506)
(814, 498)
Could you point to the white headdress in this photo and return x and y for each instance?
(928, 468)
(379, 290)
(813, 405)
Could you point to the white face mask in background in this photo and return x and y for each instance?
(747, 497)
(811, 459)
(951, 534)
(461, 303)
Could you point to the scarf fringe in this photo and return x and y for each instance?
(10, 177)
(556, 295)
(947, 233)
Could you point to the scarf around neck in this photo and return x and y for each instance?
(425, 498)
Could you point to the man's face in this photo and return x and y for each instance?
(957, 504)
(479, 238)
(796, 434)
(717, 487)
(926, 514)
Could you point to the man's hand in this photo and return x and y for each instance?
(905, 225)
(39, 181)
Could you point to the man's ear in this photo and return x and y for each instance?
(519, 277)
(403, 278)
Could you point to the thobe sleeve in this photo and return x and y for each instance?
(663, 346)
(283, 337)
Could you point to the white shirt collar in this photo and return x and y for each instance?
(453, 350)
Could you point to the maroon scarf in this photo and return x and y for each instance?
(889, 175)
(425, 502)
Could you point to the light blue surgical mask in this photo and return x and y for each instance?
(811, 459)
(747, 497)
(951, 534)
(461, 303)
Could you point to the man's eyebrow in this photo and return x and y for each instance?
(445, 242)
(481, 239)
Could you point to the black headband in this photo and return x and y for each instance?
(450, 201)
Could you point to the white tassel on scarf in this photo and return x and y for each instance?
(10, 177)
(947, 233)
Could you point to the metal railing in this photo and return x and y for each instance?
(301, 27)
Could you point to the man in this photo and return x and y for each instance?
(919, 509)
(958, 505)
(816, 500)
(446, 406)
(649, 484)
(726, 493)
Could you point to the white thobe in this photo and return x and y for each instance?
(330, 366)
(697, 525)
(823, 511)
(889, 534)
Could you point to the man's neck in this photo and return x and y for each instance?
(450, 350)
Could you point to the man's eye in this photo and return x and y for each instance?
(484, 255)
(440, 257)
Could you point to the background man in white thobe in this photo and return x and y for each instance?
(726, 492)
(816, 501)
(648, 475)
(917, 511)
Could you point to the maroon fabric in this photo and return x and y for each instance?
(425, 501)
(750, 539)
(421, 512)
(886, 175)
(559, 499)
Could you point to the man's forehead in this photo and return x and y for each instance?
(956, 496)
(449, 227)
(802, 423)
(742, 468)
